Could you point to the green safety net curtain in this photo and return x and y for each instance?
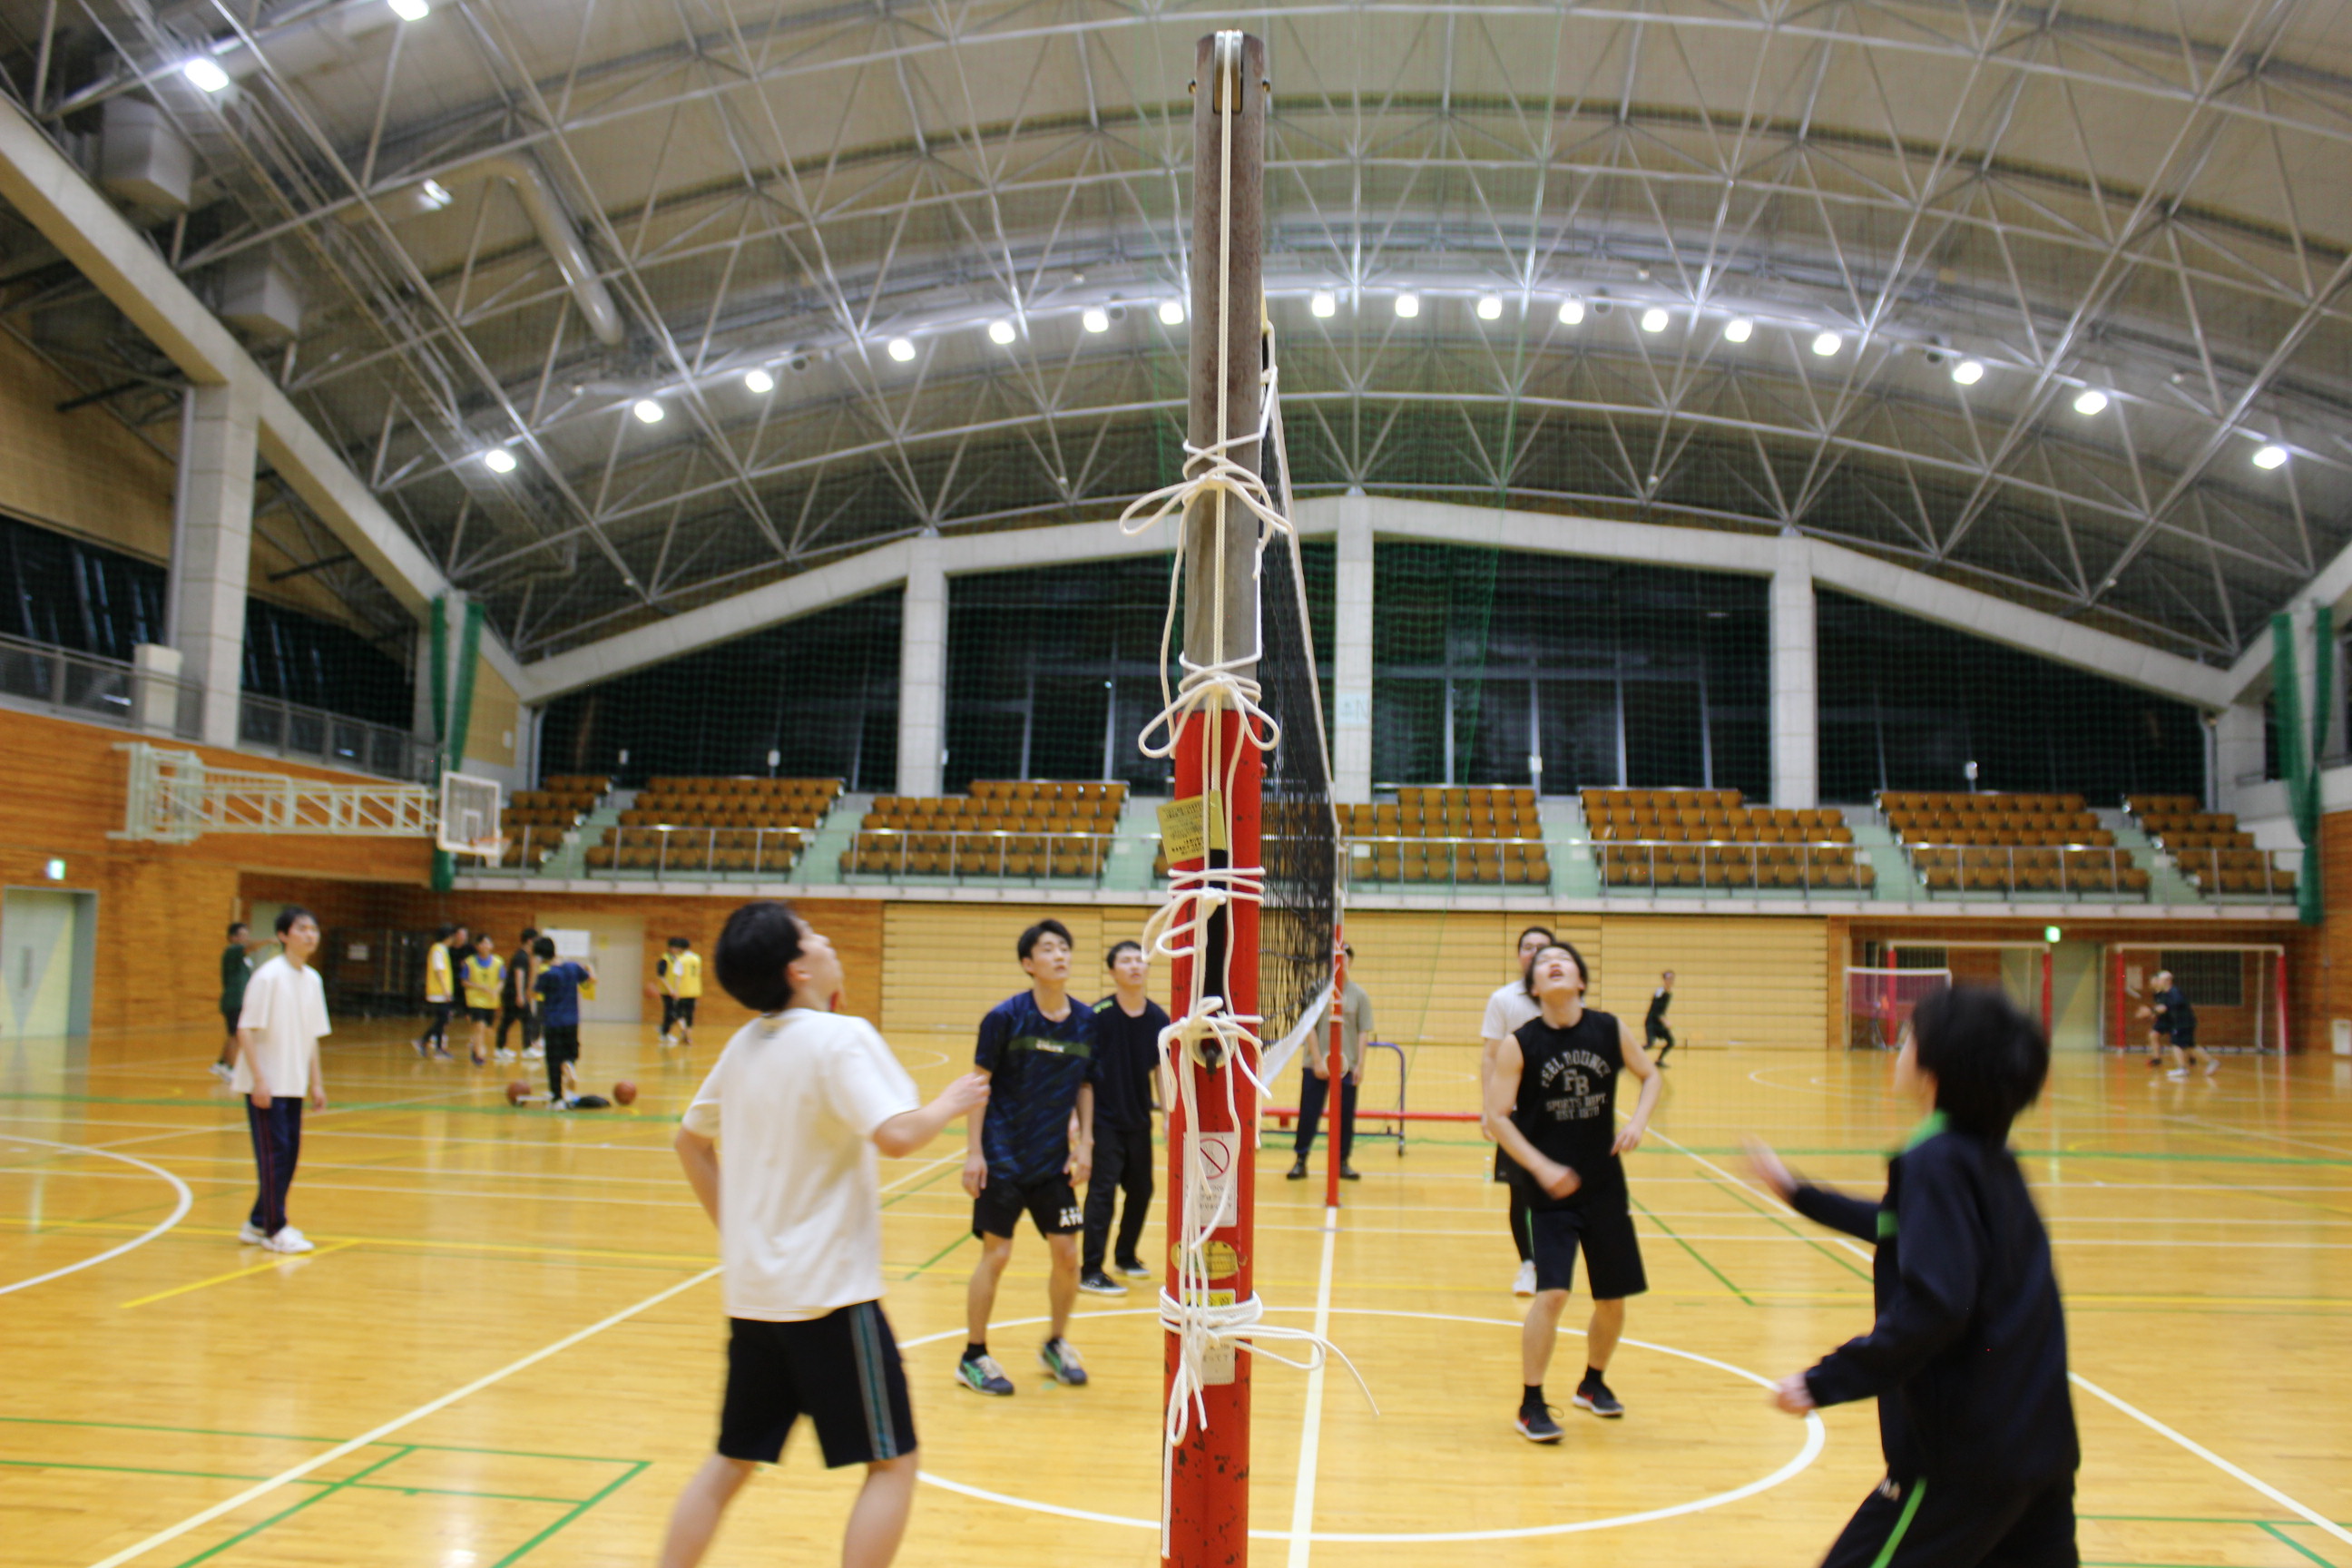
(453, 711)
(2300, 753)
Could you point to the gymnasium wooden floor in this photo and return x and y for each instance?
(506, 1347)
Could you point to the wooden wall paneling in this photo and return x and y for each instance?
(1740, 980)
(943, 965)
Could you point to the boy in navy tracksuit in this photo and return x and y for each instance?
(1967, 1358)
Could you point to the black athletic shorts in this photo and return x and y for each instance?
(1939, 1524)
(841, 1370)
(482, 1015)
(1504, 1165)
(229, 1016)
(562, 1042)
(1052, 1203)
(684, 1006)
(1612, 1256)
(2184, 1039)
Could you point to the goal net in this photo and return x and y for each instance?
(2236, 991)
(1879, 1002)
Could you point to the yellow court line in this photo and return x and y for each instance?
(239, 1273)
(422, 1242)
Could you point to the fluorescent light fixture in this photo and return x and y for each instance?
(207, 73)
(759, 381)
(1827, 343)
(1653, 320)
(1408, 306)
(436, 195)
(2091, 400)
(499, 460)
(1968, 372)
(1490, 308)
(1171, 312)
(411, 10)
(1325, 304)
(1738, 329)
(648, 411)
(902, 349)
(1095, 319)
(2271, 456)
(1571, 310)
(1000, 334)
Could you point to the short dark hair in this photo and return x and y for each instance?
(289, 914)
(543, 948)
(482, 936)
(1543, 931)
(679, 942)
(1991, 1057)
(1110, 959)
(444, 931)
(1047, 927)
(235, 927)
(529, 934)
(1583, 970)
(757, 943)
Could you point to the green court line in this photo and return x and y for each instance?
(298, 1481)
(615, 1484)
(292, 1437)
(1721, 1277)
(935, 1257)
(1834, 1255)
(938, 1175)
(2267, 1528)
(320, 1496)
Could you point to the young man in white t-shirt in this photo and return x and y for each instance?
(278, 1031)
(802, 1098)
(1506, 1009)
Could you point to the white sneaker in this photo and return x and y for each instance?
(2177, 1072)
(536, 1054)
(505, 1055)
(290, 1240)
(1525, 1285)
(223, 1071)
(251, 1235)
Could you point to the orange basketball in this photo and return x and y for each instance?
(624, 1093)
(515, 1091)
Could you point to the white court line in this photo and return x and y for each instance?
(263, 1489)
(186, 1198)
(1310, 1432)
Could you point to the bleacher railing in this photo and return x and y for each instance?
(91, 687)
(333, 740)
(1433, 861)
(1056, 857)
(2256, 874)
(1824, 866)
(2073, 871)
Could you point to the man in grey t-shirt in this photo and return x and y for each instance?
(1315, 1084)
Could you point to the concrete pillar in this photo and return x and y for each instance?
(923, 671)
(1352, 655)
(2237, 752)
(212, 536)
(1796, 682)
(155, 689)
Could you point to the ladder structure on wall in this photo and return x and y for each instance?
(176, 797)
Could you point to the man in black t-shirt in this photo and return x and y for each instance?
(1127, 1047)
(1552, 1100)
(1653, 1026)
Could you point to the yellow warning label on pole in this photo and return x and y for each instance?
(1190, 829)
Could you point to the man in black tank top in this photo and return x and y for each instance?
(1553, 1100)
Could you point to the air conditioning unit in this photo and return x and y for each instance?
(142, 159)
(261, 297)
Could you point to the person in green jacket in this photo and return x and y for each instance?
(236, 968)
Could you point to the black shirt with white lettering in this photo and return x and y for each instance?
(1568, 1105)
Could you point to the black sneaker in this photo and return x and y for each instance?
(1133, 1268)
(1593, 1395)
(1298, 1168)
(1535, 1424)
(1349, 1174)
(1061, 1358)
(1096, 1282)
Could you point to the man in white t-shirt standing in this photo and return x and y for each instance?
(279, 1028)
(1506, 1009)
(802, 1098)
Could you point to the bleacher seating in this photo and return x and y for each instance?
(1468, 835)
(2005, 844)
(701, 825)
(2212, 850)
(1710, 839)
(534, 821)
(1004, 827)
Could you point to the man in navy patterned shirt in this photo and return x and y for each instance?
(1037, 1050)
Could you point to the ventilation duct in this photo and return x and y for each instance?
(142, 159)
(261, 297)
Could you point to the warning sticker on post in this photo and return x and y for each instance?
(1220, 1166)
(1188, 831)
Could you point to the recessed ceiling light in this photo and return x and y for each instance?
(411, 10)
(1171, 312)
(207, 73)
(1325, 304)
(1000, 333)
(1408, 306)
(1827, 343)
(648, 411)
(2091, 400)
(1095, 319)
(902, 349)
(1571, 310)
(1737, 330)
(1653, 320)
(2271, 456)
(1968, 372)
(1490, 308)
(499, 460)
(760, 382)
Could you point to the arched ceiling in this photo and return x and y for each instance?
(2103, 198)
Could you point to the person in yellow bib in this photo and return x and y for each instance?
(680, 971)
(440, 990)
(483, 975)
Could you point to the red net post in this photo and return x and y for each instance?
(1336, 1066)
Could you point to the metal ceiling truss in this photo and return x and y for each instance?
(2081, 204)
